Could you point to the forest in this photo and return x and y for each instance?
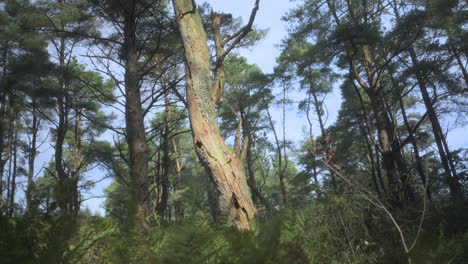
(145, 131)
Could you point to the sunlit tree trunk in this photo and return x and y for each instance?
(221, 162)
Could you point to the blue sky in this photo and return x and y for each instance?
(264, 55)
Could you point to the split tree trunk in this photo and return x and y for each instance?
(221, 162)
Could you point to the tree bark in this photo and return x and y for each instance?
(222, 164)
(134, 120)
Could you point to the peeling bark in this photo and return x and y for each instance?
(221, 162)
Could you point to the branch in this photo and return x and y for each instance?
(238, 36)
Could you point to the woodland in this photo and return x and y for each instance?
(155, 97)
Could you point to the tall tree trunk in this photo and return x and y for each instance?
(178, 207)
(3, 123)
(373, 148)
(279, 154)
(386, 138)
(325, 144)
(10, 146)
(385, 135)
(3, 147)
(371, 86)
(451, 176)
(166, 162)
(11, 206)
(61, 130)
(134, 120)
(444, 153)
(221, 162)
(251, 180)
(32, 153)
(248, 135)
(76, 164)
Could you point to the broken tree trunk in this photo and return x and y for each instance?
(222, 163)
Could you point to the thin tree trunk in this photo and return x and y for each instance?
(178, 208)
(444, 152)
(3, 148)
(453, 50)
(251, 180)
(3, 112)
(450, 172)
(222, 164)
(247, 135)
(166, 162)
(32, 154)
(61, 131)
(14, 173)
(419, 166)
(325, 144)
(280, 159)
(76, 165)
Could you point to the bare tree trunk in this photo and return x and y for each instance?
(221, 162)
